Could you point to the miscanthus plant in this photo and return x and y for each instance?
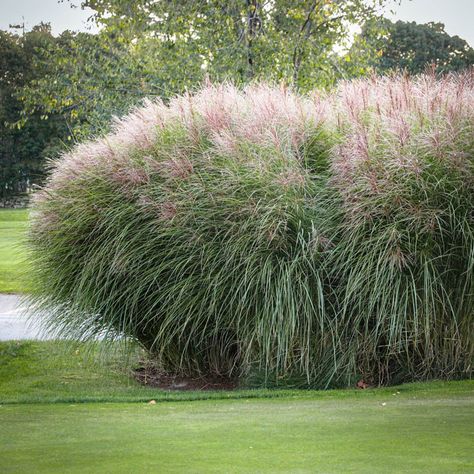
(404, 261)
(258, 232)
(193, 228)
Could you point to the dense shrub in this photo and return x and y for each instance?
(260, 232)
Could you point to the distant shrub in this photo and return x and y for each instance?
(313, 239)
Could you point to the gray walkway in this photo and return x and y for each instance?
(17, 322)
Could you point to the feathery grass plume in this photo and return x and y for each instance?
(404, 263)
(192, 229)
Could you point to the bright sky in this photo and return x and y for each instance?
(59, 14)
(457, 15)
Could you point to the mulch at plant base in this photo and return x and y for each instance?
(153, 378)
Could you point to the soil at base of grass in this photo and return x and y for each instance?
(151, 377)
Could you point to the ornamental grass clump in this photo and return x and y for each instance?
(404, 261)
(262, 234)
(192, 228)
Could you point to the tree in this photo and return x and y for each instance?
(281, 39)
(24, 143)
(89, 78)
(413, 47)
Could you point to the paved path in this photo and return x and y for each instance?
(16, 322)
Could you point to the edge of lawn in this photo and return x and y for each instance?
(416, 390)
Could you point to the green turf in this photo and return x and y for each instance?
(408, 434)
(421, 427)
(13, 267)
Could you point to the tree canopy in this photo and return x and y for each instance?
(413, 47)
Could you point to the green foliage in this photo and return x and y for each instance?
(414, 47)
(264, 224)
(89, 78)
(265, 234)
(59, 90)
(283, 40)
(24, 145)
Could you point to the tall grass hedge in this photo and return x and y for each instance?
(263, 234)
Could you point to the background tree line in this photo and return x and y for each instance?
(57, 90)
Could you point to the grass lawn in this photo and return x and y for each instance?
(409, 434)
(13, 267)
(49, 422)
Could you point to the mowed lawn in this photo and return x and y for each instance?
(13, 265)
(377, 434)
(62, 410)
